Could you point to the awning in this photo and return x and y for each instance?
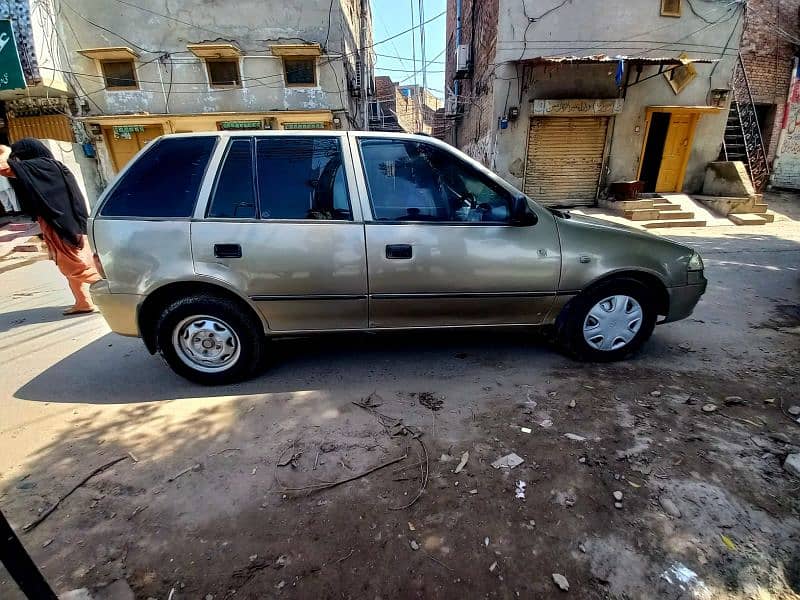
(604, 59)
(214, 50)
(685, 109)
(296, 49)
(112, 53)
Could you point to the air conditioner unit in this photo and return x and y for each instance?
(463, 61)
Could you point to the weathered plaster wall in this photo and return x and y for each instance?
(178, 82)
(577, 28)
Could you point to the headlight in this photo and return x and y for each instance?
(695, 263)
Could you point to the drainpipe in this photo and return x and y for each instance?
(458, 39)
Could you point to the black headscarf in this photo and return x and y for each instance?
(46, 188)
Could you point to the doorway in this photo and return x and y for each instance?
(667, 149)
(653, 150)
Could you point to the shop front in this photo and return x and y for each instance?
(120, 137)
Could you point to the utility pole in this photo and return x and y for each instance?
(20, 566)
(364, 53)
(421, 92)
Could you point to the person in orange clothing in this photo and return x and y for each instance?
(48, 193)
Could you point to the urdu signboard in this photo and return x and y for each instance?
(11, 76)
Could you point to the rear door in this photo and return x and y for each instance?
(440, 246)
(280, 227)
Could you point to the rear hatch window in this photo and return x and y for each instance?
(164, 181)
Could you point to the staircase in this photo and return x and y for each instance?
(654, 212)
(743, 139)
(733, 147)
(740, 211)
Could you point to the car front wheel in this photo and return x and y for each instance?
(609, 321)
(210, 340)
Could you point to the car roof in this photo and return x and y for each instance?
(300, 133)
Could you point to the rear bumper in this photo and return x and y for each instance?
(683, 299)
(119, 310)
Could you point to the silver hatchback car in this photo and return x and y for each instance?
(213, 243)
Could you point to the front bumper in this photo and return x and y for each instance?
(119, 310)
(684, 298)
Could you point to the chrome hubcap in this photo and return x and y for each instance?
(612, 323)
(206, 343)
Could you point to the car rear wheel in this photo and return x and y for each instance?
(210, 340)
(608, 322)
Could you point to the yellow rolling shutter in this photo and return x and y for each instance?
(565, 158)
(52, 127)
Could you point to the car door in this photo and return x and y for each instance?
(441, 248)
(280, 227)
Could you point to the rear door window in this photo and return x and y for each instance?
(302, 178)
(234, 195)
(164, 182)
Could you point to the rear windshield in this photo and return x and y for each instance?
(164, 181)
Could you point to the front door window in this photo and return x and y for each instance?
(410, 180)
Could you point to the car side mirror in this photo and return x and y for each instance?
(521, 213)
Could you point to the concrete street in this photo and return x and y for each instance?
(73, 396)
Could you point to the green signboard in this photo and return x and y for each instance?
(309, 125)
(11, 77)
(234, 125)
(125, 132)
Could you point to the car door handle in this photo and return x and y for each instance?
(399, 251)
(227, 251)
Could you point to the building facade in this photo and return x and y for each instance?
(769, 49)
(540, 95)
(168, 67)
(113, 75)
(408, 108)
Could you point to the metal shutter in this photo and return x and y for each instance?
(53, 127)
(565, 158)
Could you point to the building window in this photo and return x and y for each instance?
(223, 73)
(670, 8)
(119, 74)
(680, 77)
(300, 71)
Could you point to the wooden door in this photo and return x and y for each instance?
(677, 148)
(123, 149)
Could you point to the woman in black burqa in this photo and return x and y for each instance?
(47, 191)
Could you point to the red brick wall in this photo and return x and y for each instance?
(768, 57)
(479, 30)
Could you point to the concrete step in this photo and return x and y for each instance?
(678, 223)
(631, 204)
(666, 206)
(769, 216)
(641, 214)
(747, 219)
(675, 214)
(759, 208)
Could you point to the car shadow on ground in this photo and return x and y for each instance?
(118, 370)
(751, 276)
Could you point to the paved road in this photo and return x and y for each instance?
(72, 394)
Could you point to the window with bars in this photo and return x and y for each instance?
(223, 72)
(300, 71)
(119, 74)
(670, 8)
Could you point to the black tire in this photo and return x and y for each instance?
(245, 326)
(571, 322)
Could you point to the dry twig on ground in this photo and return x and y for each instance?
(50, 510)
